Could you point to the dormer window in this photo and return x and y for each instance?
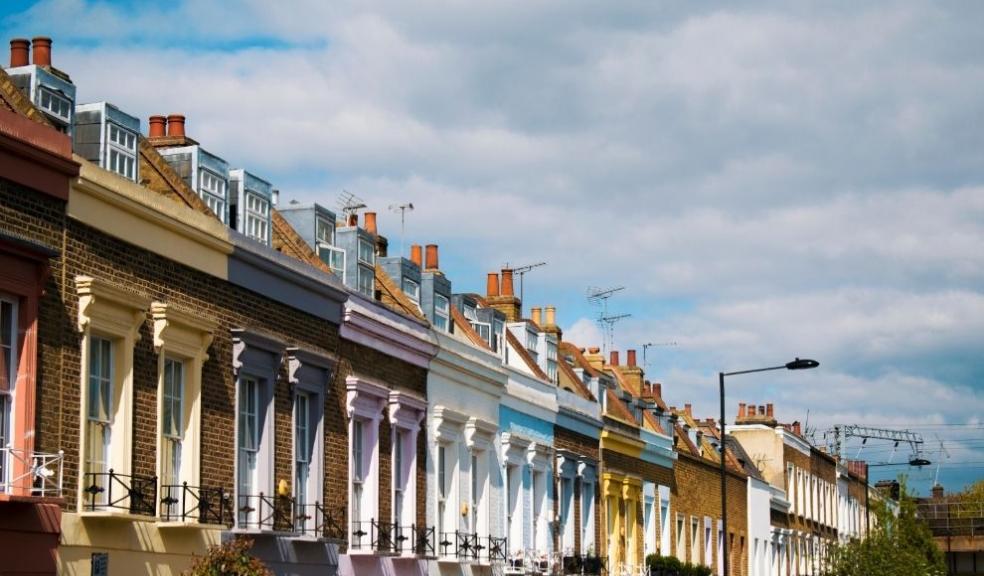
(122, 151)
(324, 231)
(212, 189)
(367, 281)
(441, 307)
(366, 253)
(257, 217)
(531, 338)
(56, 105)
(411, 289)
(552, 360)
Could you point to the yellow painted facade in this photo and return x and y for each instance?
(116, 206)
(137, 545)
(622, 497)
(146, 219)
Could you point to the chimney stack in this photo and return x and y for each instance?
(507, 282)
(769, 411)
(551, 316)
(415, 255)
(659, 389)
(535, 315)
(688, 409)
(631, 360)
(431, 253)
(157, 125)
(492, 284)
(796, 428)
(741, 411)
(937, 492)
(176, 125)
(613, 357)
(20, 49)
(41, 50)
(371, 223)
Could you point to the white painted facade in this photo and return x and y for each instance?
(760, 542)
(464, 386)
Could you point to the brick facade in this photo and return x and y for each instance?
(696, 493)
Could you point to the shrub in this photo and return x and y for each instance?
(230, 558)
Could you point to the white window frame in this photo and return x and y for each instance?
(309, 374)
(406, 413)
(112, 313)
(320, 224)
(336, 259)
(448, 435)
(366, 252)
(8, 342)
(54, 96)
(366, 280)
(412, 289)
(183, 337)
(480, 441)
(216, 197)
(121, 156)
(587, 475)
(365, 401)
(256, 216)
(442, 312)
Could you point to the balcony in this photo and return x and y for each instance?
(531, 562)
(316, 521)
(415, 540)
(109, 491)
(465, 546)
(41, 476)
(196, 504)
(373, 536)
(264, 512)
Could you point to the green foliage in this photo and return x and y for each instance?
(899, 545)
(670, 566)
(231, 558)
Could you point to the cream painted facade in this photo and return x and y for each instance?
(464, 387)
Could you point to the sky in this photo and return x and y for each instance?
(767, 180)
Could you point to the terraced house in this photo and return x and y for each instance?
(186, 358)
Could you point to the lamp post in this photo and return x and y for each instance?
(797, 364)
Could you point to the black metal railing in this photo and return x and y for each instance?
(424, 541)
(497, 549)
(109, 490)
(594, 565)
(317, 521)
(265, 512)
(373, 535)
(181, 502)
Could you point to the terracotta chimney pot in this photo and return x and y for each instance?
(551, 316)
(415, 255)
(41, 50)
(594, 350)
(631, 360)
(761, 411)
(535, 315)
(659, 389)
(741, 410)
(431, 253)
(688, 409)
(371, 223)
(492, 284)
(20, 49)
(613, 358)
(353, 219)
(507, 282)
(769, 411)
(157, 124)
(176, 125)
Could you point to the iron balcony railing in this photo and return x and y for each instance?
(265, 512)
(497, 549)
(418, 540)
(317, 521)
(128, 492)
(181, 502)
(531, 561)
(375, 536)
(42, 475)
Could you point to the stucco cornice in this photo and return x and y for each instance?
(370, 325)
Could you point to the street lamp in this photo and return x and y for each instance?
(797, 364)
(914, 461)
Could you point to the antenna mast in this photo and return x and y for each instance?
(522, 270)
(402, 208)
(608, 322)
(350, 204)
(599, 297)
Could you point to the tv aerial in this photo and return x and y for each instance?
(608, 323)
(649, 345)
(521, 271)
(349, 204)
(402, 209)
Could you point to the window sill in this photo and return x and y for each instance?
(5, 497)
(189, 524)
(113, 515)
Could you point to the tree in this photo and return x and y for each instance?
(900, 545)
(230, 558)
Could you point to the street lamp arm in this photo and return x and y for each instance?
(783, 367)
